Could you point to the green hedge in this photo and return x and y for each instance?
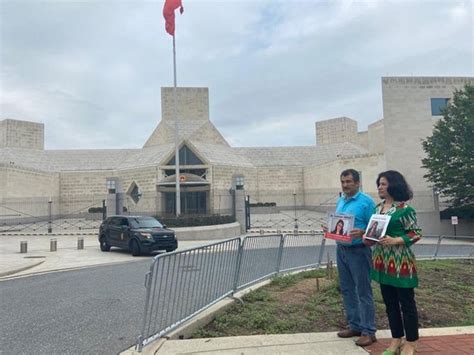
(100, 209)
(263, 204)
(465, 212)
(188, 221)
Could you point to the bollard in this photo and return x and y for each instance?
(80, 242)
(23, 247)
(53, 245)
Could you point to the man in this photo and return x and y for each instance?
(354, 261)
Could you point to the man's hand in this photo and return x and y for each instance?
(356, 233)
(368, 242)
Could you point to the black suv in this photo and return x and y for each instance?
(136, 233)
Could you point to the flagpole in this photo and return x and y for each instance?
(176, 135)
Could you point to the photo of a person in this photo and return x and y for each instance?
(372, 233)
(339, 227)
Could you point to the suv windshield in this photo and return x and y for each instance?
(145, 222)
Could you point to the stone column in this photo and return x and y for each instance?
(115, 196)
(240, 209)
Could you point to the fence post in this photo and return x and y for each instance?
(321, 251)
(239, 262)
(104, 210)
(280, 253)
(437, 247)
(247, 213)
(53, 245)
(148, 278)
(50, 222)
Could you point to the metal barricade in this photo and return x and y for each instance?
(259, 259)
(454, 247)
(181, 284)
(301, 251)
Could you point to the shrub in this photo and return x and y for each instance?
(192, 221)
(95, 210)
(263, 204)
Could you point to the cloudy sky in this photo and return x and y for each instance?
(91, 70)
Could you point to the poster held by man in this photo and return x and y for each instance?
(339, 226)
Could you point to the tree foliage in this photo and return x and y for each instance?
(450, 150)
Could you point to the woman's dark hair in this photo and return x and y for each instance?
(335, 227)
(398, 188)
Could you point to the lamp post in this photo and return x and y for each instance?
(50, 210)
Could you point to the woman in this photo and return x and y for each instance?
(372, 233)
(394, 262)
(339, 228)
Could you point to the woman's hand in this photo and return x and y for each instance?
(388, 240)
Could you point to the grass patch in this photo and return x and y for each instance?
(293, 304)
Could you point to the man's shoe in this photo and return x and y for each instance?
(366, 340)
(348, 333)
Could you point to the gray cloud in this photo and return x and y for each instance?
(92, 70)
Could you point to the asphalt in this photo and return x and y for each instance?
(40, 259)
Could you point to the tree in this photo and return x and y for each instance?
(450, 150)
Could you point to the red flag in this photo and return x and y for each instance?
(168, 14)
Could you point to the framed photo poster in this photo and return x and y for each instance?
(377, 227)
(339, 226)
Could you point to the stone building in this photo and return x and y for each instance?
(75, 180)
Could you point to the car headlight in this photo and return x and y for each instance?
(146, 235)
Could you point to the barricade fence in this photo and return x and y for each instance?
(181, 284)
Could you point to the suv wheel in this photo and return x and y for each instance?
(135, 248)
(104, 246)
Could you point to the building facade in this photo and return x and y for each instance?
(76, 180)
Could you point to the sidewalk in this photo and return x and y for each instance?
(435, 341)
(38, 259)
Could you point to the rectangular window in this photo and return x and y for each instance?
(438, 105)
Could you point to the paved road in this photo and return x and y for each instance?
(99, 310)
(88, 311)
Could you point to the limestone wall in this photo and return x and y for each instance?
(322, 183)
(21, 134)
(20, 182)
(376, 137)
(362, 139)
(280, 185)
(80, 190)
(25, 193)
(336, 130)
(192, 105)
(145, 179)
(221, 182)
(408, 120)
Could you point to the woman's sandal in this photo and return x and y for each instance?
(397, 351)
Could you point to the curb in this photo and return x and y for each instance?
(46, 234)
(15, 271)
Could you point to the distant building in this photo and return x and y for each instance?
(78, 179)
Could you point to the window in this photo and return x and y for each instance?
(111, 186)
(186, 157)
(438, 105)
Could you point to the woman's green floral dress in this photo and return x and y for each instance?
(395, 265)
